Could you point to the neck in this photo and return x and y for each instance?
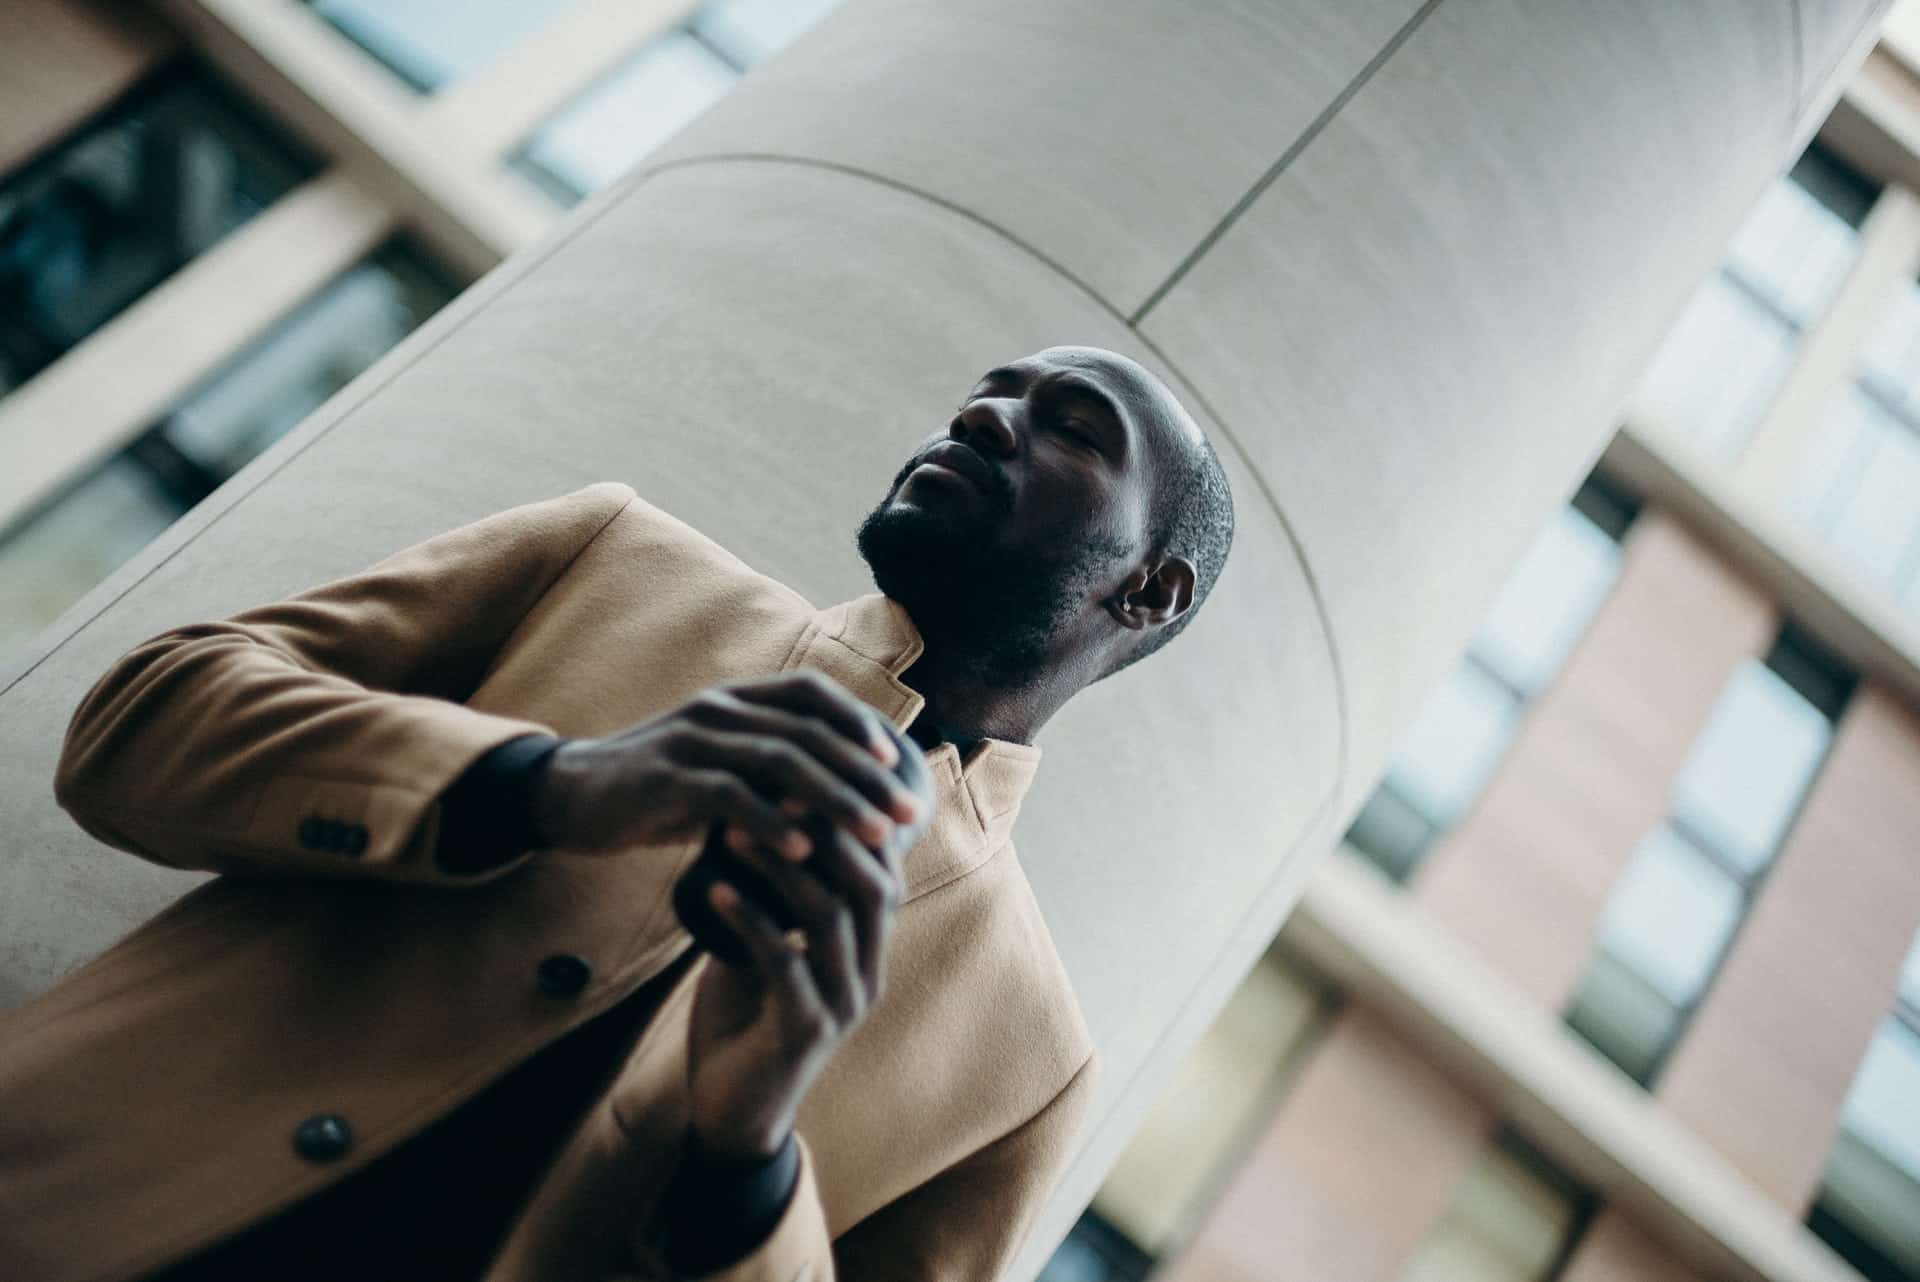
(959, 701)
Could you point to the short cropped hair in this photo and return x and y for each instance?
(1193, 518)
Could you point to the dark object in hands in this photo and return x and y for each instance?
(717, 862)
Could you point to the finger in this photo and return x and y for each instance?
(828, 921)
(782, 970)
(776, 768)
(872, 891)
(719, 794)
(811, 691)
(719, 709)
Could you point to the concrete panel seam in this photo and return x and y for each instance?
(1334, 663)
(613, 199)
(1186, 386)
(1287, 157)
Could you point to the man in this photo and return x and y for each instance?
(438, 1019)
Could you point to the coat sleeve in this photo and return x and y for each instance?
(963, 1225)
(314, 735)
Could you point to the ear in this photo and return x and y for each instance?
(1154, 595)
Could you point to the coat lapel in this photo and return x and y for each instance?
(866, 644)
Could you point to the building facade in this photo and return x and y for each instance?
(215, 215)
(1617, 978)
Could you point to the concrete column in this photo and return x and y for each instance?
(1404, 259)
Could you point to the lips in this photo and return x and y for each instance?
(956, 457)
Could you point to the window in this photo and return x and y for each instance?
(1855, 482)
(430, 43)
(1195, 1136)
(1515, 1218)
(1095, 1251)
(1686, 889)
(675, 78)
(55, 555)
(1726, 357)
(132, 197)
(1868, 1207)
(1462, 731)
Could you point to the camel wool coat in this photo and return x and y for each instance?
(148, 1102)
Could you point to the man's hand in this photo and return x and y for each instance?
(732, 753)
(761, 1033)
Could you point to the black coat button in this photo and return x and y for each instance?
(564, 975)
(322, 1137)
(313, 832)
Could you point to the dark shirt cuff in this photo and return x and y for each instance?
(715, 1214)
(486, 815)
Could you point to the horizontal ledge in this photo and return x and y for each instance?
(1520, 1059)
(1811, 582)
(128, 374)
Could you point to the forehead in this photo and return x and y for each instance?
(1148, 402)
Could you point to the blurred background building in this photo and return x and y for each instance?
(1616, 977)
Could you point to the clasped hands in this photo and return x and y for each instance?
(761, 756)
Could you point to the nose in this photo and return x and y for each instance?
(987, 425)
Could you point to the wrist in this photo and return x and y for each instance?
(716, 1148)
(486, 814)
(714, 1216)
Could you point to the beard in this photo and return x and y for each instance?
(997, 613)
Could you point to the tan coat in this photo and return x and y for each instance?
(147, 1103)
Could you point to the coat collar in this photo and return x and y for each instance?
(865, 644)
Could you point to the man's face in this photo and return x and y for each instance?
(1031, 505)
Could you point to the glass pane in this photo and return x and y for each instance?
(748, 32)
(1878, 524)
(53, 558)
(598, 137)
(1749, 768)
(1910, 978)
(1792, 250)
(1391, 833)
(1506, 1224)
(1623, 1017)
(307, 358)
(1883, 1105)
(56, 556)
(1454, 744)
(121, 206)
(1890, 358)
(1869, 1204)
(1718, 368)
(1094, 1251)
(1214, 1104)
(1833, 460)
(428, 43)
(1548, 602)
(1868, 1211)
(1669, 916)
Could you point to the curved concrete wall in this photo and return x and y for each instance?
(1402, 259)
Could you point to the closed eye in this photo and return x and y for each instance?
(1081, 431)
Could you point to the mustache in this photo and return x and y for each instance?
(999, 489)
